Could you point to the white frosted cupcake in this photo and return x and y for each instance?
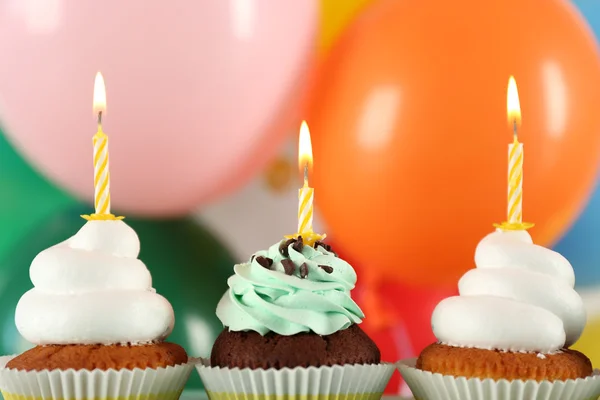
(98, 325)
(507, 335)
(292, 330)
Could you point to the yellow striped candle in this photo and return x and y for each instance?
(515, 156)
(101, 166)
(515, 182)
(305, 209)
(306, 194)
(514, 220)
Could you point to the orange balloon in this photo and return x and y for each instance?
(410, 130)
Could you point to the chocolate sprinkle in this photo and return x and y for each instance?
(252, 258)
(319, 243)
(326, 268)
(325, 246)
(288, 266)
(283, 247)
(303, 270)
(298, 244)
(264, 262)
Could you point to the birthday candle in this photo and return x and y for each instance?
(515, 157)
(100, 141)
(306, 194)
(514, 211)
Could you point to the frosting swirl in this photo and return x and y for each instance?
(92, 289)
(315, 297)
(519, 298)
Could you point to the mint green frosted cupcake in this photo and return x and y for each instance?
(291, 327)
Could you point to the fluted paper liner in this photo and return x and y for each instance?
(357, 382)
(429, 386)
(139, 384)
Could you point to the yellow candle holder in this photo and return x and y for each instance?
(514, 226)
(309, 237)
(101, 217)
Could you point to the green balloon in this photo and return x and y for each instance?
(189, 267)
(25, 197)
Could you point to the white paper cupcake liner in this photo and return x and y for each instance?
(429, 386)
(139, 384)
(357, 382)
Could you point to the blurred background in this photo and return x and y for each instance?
(406, 103)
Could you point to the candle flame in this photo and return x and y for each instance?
(513, 105)
(305, 156)
(99, 95)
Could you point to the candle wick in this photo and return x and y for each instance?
(306, 174)
(99, 118)
(515, 131)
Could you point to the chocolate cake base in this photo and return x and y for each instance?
(99, 357)
(251, 350)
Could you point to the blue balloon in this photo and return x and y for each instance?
(580, 244)
(591, 11)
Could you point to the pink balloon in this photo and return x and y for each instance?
(200, 93)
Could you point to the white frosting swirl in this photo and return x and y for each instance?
(519, 298)
(92, 289)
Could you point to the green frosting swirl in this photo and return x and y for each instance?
(267, 300)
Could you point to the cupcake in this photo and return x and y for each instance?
(507, 335)
(98, 326)
(291, 329)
